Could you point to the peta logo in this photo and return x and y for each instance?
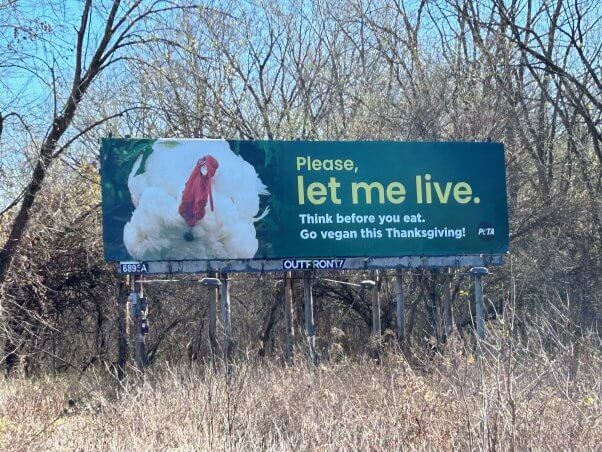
(486, 231)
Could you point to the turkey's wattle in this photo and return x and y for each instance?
(197, 191)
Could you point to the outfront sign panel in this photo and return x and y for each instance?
(220, 200)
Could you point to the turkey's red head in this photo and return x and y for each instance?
(198, 190)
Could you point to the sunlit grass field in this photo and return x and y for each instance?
(497, 399)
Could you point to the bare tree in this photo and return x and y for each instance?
(104, 35)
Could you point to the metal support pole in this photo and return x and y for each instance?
(226, 321)
(309, 316)
(448, 321)
(289, 352)
(435, 312)
(123, 329)
(138, 312)
(399, 305)
(478, 293)
(376, 323)
(213, 298)
(478, 273)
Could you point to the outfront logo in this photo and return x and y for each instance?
(309, 264)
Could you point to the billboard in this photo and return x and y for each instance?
(207, 201)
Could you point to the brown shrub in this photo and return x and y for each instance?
(498, 398)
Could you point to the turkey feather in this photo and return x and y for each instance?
(196, 200)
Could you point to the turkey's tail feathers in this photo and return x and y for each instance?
(263, 215)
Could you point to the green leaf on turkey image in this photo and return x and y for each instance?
(146, 152)
(269, 152)
(129, 150)
(170, 144)
(134, 149)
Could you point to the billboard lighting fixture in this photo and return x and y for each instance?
(367, 284)
(364, 284)
(211, 282)
(150, 281)
(478, 271)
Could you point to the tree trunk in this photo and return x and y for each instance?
(268, 325)
(59, 126)
(19, 226)
(11, 346)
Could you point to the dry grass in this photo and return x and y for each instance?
(504, 400)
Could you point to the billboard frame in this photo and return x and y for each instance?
(319, 263)
(272, 261)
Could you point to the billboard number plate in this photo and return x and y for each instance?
(133, 267)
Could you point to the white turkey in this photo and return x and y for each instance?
(195, 199)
